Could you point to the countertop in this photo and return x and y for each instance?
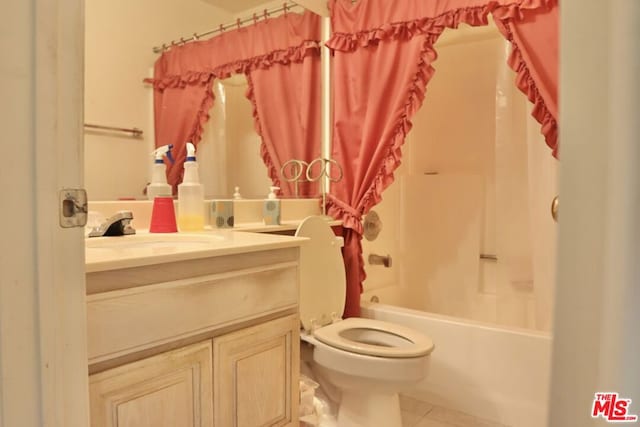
(143, 248)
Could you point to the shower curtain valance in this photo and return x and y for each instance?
(383, 55)
(530, 25)
(278, 56)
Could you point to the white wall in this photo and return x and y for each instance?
(476, 178)
(119, 37)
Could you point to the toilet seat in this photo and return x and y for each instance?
(374, 338)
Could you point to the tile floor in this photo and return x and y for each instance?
(416, 413)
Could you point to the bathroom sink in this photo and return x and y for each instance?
(155, 242)
(144, 249)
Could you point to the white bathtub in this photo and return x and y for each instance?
(496, 373)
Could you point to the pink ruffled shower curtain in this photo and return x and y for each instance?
(280, 57)
(383, 53)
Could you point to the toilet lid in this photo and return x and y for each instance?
(322, 277)
(375, 338)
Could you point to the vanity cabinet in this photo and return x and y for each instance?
(199, 342)
(167, 390)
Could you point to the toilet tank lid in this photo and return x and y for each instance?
(322, 277)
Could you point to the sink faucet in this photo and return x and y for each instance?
(116, 225)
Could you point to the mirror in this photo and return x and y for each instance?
(118, 165)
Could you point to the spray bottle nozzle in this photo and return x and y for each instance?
(191, 152)
(160, 152)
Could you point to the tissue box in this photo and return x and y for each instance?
(221, 213)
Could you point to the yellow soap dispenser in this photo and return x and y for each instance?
(191, 211)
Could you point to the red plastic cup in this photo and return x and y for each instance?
(163, 216)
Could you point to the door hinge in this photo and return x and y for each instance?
(73, 207)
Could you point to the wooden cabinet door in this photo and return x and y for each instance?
(256, 373)
(168, 390)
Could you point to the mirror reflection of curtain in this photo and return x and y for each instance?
(229, 153)
(272, 50)
(383, 55)
(212, 150)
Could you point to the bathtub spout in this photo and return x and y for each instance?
(380, 260)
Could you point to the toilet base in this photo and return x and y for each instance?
(359, 409)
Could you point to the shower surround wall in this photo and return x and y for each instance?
(476, 179)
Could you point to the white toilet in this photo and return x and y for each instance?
(369, 361)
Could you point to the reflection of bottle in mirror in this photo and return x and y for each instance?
(190, 195)
(236, 193)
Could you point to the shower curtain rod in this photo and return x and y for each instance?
(240, 21)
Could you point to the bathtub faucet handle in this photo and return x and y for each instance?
(375, 259)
